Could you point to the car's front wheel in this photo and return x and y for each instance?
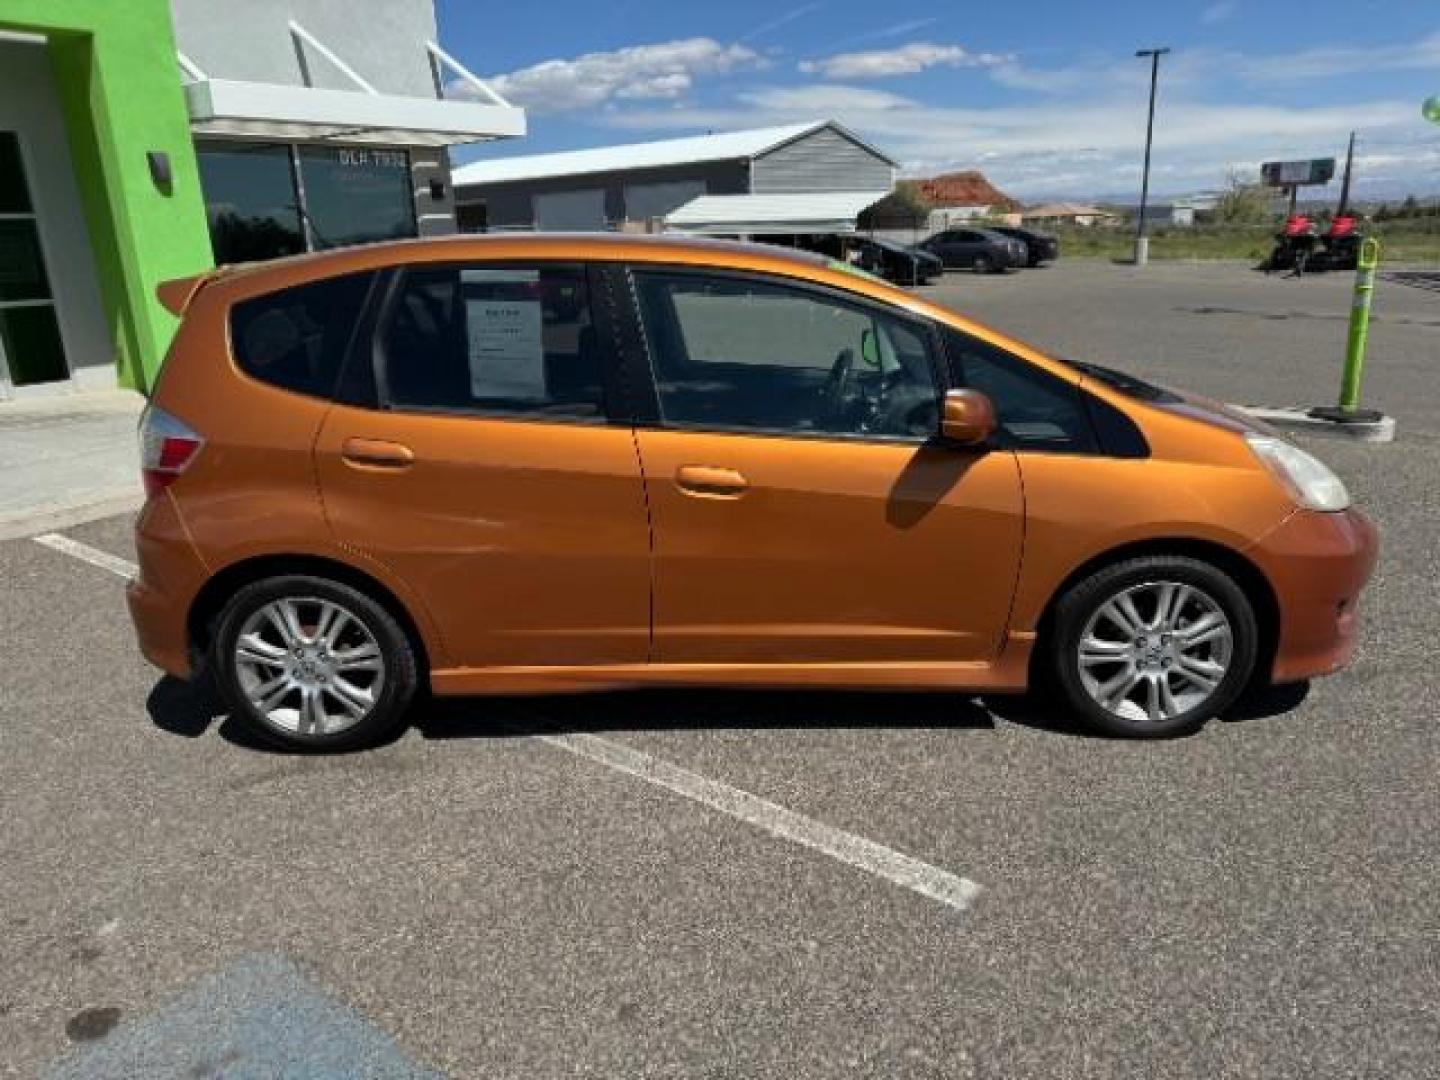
(313, 664)
(1154, 646)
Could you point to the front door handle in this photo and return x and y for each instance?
(376, 454)
(710, 482)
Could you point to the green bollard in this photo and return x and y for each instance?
(1349, 408)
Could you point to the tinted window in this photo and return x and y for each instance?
(14, 196)
(297, 338)
(511, 339)
(736, 353)
(250, 201)
(1036, 411)
(357, 195)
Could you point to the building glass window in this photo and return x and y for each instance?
(250, 201)
(14, 195)
(31, 350)
(357, 195)
(344, 195)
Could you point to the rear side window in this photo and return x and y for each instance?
(1035, 410)
(493, 339)
(297, 338)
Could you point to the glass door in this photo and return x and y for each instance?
(30, 347)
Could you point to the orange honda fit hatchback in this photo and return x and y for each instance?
(555, 463)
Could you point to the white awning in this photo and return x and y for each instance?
(811, 212)
(274, 111)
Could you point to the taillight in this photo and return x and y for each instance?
(167, 447)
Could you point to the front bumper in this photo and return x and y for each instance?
(1318, 563)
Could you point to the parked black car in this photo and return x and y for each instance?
(884, 258)
(895, 261)
(981, 250)
(1040, 247)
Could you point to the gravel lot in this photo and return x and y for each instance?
(473, 900)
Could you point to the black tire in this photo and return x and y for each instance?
(982, 264)
(397, 655)
(1074, 610)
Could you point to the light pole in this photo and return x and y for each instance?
(1142, 245)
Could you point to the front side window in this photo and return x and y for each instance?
(1034, 409)
(297, 338)
(495, 339)
(736, 353)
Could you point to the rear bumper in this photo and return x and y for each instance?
(1318, 564)
(159, 598)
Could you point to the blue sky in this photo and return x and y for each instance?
(1046, 97)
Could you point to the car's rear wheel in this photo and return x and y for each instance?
(1153, 647)
(982, 264)
(313, 664)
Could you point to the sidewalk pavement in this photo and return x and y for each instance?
(67, 458)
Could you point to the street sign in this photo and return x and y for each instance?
(1298, 173)
(1431, 108)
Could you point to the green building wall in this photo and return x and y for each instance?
(120, 92)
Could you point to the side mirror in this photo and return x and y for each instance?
(967, 417)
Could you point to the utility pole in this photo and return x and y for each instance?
(1344, 206)
(1142, 244)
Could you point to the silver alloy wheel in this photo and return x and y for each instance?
(309, 665)
(1155, 650)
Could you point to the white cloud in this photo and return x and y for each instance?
(813, 100)
(1219, 12)
(1334, 61)
(666, 69)
(903, 60)
(894, 30)
(1075, 130)
(1188, 68)
(1086, 147)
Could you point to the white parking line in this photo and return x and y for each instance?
(887, 863)
(856, 851)
(94, 556)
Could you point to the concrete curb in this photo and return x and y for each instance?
(32, 522)
(1301, 422)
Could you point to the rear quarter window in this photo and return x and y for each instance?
(297, 338)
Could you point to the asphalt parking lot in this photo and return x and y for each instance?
(493, 896)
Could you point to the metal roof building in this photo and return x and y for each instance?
(626, 186)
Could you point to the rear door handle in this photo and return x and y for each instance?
(376, 454)
(710, 482)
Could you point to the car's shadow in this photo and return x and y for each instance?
(190, 710)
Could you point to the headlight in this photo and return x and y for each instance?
(1305, 476)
